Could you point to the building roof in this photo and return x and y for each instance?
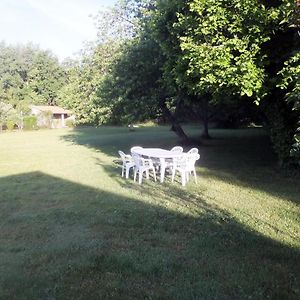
(53, 109)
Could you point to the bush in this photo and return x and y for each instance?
(47, 115)
(70, 123)
(30, 122)
(10, 125)
(281, 123)
(295, 151)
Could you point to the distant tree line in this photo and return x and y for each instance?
(28, 75)
(230, 61)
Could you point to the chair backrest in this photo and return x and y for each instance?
(180, 161)
(191, 160)
(193, 151)
(122, 154)
(177, 149)
(137, 159)
(125, 157)
(135, 148)
(186, 161)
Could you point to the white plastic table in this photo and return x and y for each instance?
(160, 154)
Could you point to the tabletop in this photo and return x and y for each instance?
(157, 153)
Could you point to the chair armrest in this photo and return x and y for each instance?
(147, 161)
(179, 161)
(128, 158)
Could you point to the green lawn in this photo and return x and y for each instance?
(72, 228)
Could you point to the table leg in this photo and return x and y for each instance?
(162, 169)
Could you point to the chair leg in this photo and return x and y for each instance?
(140, 177)
(122, 174)
(127, 172)
(173, 174)
(195, 175)
(134, 175)
(183, 179)
(162, 172)
(147, 174)
(154, 174)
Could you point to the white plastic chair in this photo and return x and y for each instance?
(142, 165)
(193, 151)
(135, 148)
(127, 161)
(178, 149)
(168, 163)
(185, 165)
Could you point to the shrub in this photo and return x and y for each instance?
(54, 123)
(10, 125)
(281, 125)
(70, 123)
(47, 116)
(295, 151)
(30, 122)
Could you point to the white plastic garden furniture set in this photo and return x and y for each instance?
(145, 160)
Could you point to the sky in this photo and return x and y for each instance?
(61, 26)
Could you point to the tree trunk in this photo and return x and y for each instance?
(205, 133)
(175, 124)
(205, 118)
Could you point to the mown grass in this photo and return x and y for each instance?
(72, 228)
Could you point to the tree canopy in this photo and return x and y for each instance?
(29, 74)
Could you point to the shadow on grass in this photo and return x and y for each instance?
(173, 193)
(63, 240)
(240, 157)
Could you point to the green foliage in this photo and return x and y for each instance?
(186, 59)
(114, 81)
(121, 22)
(279, 103)
(47, 117)
(10, 124)
(288, 13)
(70, 123)
(84, 79)
(14, 114)
(5, 111)
(131, 88)
(46, 76)
(290, 81)
(219, 44)
(212, 47)
(281, 133)
(29, 74)
(30, 122)
(211, 52)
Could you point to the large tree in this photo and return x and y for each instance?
(131, 88)
(29, 75)
(46, 76)
(85, 77)
(117, 79)
(283, 44)
(213, 48)
(290, 81)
